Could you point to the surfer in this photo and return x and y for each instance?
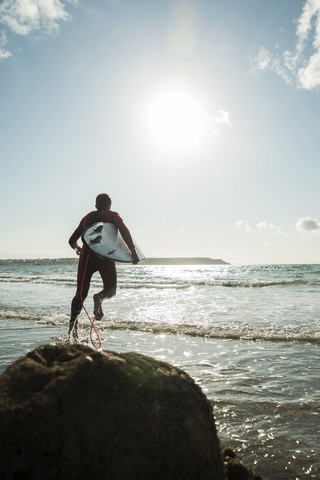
(89, 263)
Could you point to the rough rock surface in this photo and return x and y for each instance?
(68, 412)
(236, 469)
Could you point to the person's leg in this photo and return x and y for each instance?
(107, 270)
(85, 272)
(76, 307)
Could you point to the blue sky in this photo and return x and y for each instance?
(199, 118)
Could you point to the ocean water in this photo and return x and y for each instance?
(248, 335)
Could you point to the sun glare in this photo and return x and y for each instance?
(175, 122)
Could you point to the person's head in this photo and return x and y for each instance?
(103, 201)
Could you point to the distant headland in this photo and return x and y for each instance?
(183, 261)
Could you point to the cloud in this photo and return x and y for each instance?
(307, 225)
(222, 117)
(264, 226)
(309, 76)
(302, 65)
(309, 25)
(267, 60)
(243, 225)
(213, 122)
(23, 17)
(262, 61)
(261, 227)
(4, 53)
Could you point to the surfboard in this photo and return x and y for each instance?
(105, 240)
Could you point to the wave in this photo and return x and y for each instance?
(37, 279)
(224, 332)
(50, 318)
(161, 283)
(39, 261)
(255, 283)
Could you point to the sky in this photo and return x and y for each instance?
(201, 120)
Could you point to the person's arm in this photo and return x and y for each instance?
(135, 258)
(77, 249)
(73, 240)
(126, 235)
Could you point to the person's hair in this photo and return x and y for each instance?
(103, 201)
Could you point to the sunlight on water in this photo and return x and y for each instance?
(249, 336)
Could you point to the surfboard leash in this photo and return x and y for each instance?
(84, 308)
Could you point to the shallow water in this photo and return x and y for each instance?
(248, 335)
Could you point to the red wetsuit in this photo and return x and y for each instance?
(89, 263)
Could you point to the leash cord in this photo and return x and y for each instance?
(84, 308)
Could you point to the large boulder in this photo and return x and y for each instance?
(68, 412)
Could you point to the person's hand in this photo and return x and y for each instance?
(78, 250)
(135, 258)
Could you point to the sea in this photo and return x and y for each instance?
(249, 335)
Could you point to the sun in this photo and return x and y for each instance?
(175, 122)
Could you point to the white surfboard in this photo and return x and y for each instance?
(105, 240)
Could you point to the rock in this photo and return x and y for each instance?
(236, 468)
(68, 412)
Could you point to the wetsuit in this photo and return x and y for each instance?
(89, 263)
